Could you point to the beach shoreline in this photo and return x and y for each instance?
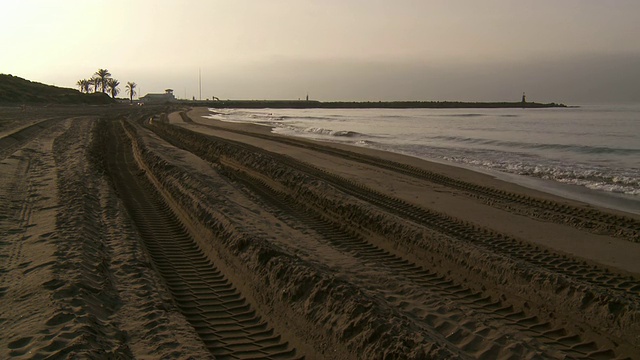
(144, 232)
(613, 201)
(463, 173)
(531, 148)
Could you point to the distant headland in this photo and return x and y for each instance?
(313, 104)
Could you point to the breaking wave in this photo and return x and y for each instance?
(341, 133)
(593, 148)
(585, 149)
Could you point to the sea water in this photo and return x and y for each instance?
(589, 153)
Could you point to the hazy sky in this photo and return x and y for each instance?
(572, 51)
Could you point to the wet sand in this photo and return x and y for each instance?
(156, 233)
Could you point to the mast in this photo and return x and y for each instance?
(200, 82)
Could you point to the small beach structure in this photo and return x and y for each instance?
(167, 96)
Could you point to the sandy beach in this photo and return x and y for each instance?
(154, 233)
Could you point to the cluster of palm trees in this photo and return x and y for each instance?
(102, 80)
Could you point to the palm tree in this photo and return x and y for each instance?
(84, 85)
(112, 84)
(95, 81)
(131, 90)
(103, 75)
(87, 86)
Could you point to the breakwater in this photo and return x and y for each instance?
(313, 104)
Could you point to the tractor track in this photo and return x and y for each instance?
(593, 219)
(433, 294)
(497, 242)
(13, 141)
(622, 287)
(221, 316)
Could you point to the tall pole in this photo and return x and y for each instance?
(200, 82)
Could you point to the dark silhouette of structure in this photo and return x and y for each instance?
(524, 98)
(159, 98)
(312, 104)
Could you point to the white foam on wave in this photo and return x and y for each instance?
(330, 132)
(580, 175)
(566, 147)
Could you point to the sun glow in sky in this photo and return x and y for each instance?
(564, 51)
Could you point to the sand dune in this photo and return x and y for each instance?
(155, 233)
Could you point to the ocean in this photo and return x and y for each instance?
(589, 153)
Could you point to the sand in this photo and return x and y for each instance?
(156, 233)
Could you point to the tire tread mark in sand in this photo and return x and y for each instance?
(223, 319)
(624, 286)
(11, 142)
(627, 287)
(16, 217)
(441, 289)
(614, 225)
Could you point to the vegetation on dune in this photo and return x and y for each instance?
(99, 81)
(103, 75)
(101, 88)
(95, 81)
(131, 90)
(112, 84)
(84, 85)
(16, 91)
(102, 80)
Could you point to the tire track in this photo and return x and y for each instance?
(592, 219)
(211, 147)
(15, 218)
(496, 242)
(433, 295)
(13, 141)
(223, 319)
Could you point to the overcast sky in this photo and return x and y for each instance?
(571, 51)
